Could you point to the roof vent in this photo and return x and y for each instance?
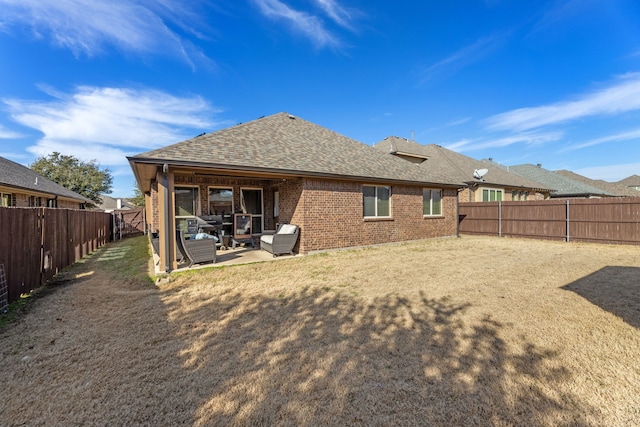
(292, 117)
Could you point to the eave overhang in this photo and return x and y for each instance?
(145, 170)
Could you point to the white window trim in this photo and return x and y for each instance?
(376, 216)
(431, 202)
(481, 192)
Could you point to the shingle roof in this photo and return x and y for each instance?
(633, 180)
(614, 188)
(455, 166)
(282, 143)
(562, 186)
(15, 175)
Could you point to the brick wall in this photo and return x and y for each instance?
(333, 217)
(22, 201)
(329, 213)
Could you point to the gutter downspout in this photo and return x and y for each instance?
(167, 235)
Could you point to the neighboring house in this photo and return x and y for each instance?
(615, 188)
(110, 204)
(563, 187)
(283, 169)
(22, 187)
(632, 182)
(481, 181)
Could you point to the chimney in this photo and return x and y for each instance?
(119, 204)
(539, 165)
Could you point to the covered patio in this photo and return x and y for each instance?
(228, 257)
(197, 201)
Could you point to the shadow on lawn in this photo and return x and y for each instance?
(318, 357)
(614, 289)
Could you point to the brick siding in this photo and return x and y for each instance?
(329, 212)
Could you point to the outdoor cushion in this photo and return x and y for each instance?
(287, 229)
(267, 238)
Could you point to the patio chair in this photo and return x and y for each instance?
(155, 243)
(196, 251)
(282, 241)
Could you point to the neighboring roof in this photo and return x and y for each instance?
(110, 204)
(563, 186)
(614, 188)
(15, 175)
(287, 145)
(455, 166)
(631, 181)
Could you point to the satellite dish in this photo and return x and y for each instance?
(480, 173)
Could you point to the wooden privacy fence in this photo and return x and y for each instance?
(36, 243)
(607, 220)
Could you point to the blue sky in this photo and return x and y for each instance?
(550, 81)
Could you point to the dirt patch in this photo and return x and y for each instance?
(469, 331)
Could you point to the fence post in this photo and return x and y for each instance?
(499, 219)
(568, 222)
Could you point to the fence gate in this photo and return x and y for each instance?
(128, 223)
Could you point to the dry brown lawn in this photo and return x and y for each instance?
(470, 331)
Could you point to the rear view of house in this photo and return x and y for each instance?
(283, 169)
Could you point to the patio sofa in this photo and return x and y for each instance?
(282, 241)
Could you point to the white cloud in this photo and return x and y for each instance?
(624, 136)
(311, 26)
(611, 173)
(458, 122)
(110, 123)
(526, 138)
(9, 134)
(621, 96)
(86, 26)
(464, 57)
(336, 12)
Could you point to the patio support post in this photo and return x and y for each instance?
(166, 224)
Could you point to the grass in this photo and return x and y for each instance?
(470, 331)
(129, 263)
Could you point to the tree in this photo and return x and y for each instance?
(138, 197)
(84, 178)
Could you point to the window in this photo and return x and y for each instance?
(376, 201)
(431, 202)
(7, 200)
(220, 201)
(251, 202)
(35, 201)
(491, 195)
(186, 201)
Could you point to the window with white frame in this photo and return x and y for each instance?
(491, 195)
(431, 202)
(7, 200)
(376, 201)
